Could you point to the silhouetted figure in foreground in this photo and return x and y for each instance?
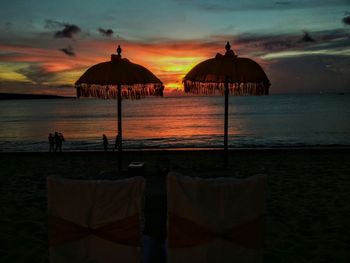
(51, 142)
(105, 142)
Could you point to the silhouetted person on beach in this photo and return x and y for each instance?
(61, 140)
(58, 141)
(105, 142)
(51, 142)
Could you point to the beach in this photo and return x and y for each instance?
(308, 202)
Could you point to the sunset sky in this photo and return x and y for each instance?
(303, 45)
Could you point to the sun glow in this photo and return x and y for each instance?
(177, 64)
(174, 86)
(171, 69)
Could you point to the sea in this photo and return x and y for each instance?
(188, 122)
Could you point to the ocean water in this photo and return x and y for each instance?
(178, 122)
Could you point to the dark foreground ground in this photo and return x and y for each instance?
(308, 201)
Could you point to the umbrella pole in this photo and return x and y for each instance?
(120, 148)
(226, 124)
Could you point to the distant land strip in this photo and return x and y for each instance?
(16, 96)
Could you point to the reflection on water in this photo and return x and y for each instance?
(275, 120)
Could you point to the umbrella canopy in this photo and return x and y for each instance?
(117, 79)
(227, 74)
(102, 80)
(243, 76)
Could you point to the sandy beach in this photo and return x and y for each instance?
(308, 202)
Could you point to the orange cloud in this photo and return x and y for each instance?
(169, 60)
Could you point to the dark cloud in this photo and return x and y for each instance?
(278, 44)
(258, 45)
(68, 31)
(105, 32)
(346, 20)
(36, 74)
(255, 45)
(307, 37)
(68, 51)
(62, 30)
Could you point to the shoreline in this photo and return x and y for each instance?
(184, 149)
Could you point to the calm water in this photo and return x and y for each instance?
(270, 121)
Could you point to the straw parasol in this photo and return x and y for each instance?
(116, 79)
(229, 75)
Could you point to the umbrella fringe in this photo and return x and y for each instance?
(236, 89)
(136, 91)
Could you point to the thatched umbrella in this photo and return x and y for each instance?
(227, 74)
(118, 78)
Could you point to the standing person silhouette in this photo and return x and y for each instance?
(57, 141)
(51, 142)
(61, 140)
(105, 142)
